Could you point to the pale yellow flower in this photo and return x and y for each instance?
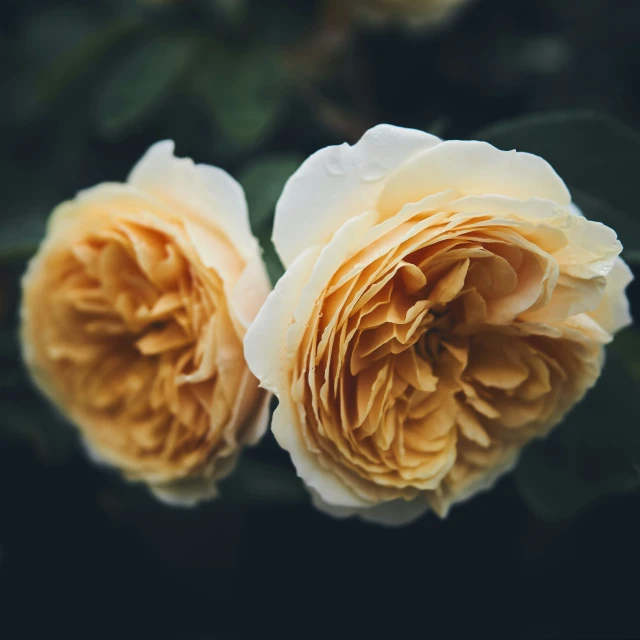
(133, 315)
(443, 304)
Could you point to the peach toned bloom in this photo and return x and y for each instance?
(133, 315)
(444, 303)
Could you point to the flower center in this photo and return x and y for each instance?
(129, 314)
(417, 369)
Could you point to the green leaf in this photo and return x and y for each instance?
(439, 126)
(233, 12)
(78, 60)
(143, 80)
(10, 364)
(596, 450)
(263, 181)
(53, 440)
(595, 155)
(627, 347)
(50, 31)
(25, 415)
(21, 235)
(262, 484)
(275, 269)
(244, 91)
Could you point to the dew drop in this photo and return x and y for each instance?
(334, 164)
(373, 171)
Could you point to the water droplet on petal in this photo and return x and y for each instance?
(334, 163)
(372, 171)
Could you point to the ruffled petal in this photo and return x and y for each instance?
(338, 182)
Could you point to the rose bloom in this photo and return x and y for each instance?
(444, 304)
(418, 13)
(133, 315)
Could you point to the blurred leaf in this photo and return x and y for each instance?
(10, 368)
(74, 62)
(439, 126)
(27, 209)
(21, 235)
(627, 348)
(51, 30)
(232, 11)
(596, 450)
(259, 483)
(275, 269)
(283, 22)
(26, 416)
(263, 181)
(53, 440)
(245, 92)
(595, 155)
(143, 80)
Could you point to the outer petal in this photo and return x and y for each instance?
(265, 343)
(613, 312)
(473, 168)
(207, 192)
(339, 182)
(442, 504)
(258, 423)
(187, 493)
(324, 482)
(250, 291)
(332, 256)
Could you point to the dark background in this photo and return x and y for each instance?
(86, 88)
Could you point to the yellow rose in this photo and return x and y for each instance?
(414, 12)
(133, 315)
(444, 303)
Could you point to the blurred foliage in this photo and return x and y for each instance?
(263, 180)
(143, 80)
(26, 416)
(255, 86)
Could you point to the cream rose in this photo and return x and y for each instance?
(133, 315)
(443, 305)
(414, 12)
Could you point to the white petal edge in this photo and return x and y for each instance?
(472, 168)
(266, 339)
(258, 423)
(208, 192)
(272, 337)
(250, 291)
(339, 182)
(613, 313)
(320, 480)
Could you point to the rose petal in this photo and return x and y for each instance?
(473, 168)
(338, 182)
(613, 313)
(207, 192)
(265, 344)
